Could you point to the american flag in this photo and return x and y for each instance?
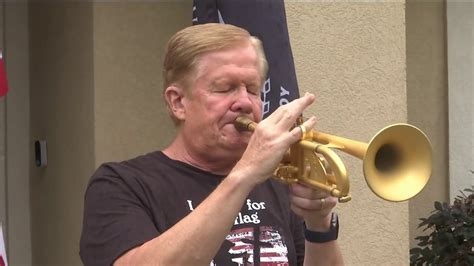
(260, 245)
(3, 77)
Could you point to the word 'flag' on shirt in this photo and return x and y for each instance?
(267, 21)
(3, 78)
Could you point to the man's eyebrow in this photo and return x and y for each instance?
(245, 77)
(220, 80)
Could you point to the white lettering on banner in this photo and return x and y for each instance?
(266, 103)
(221, 20)
(283, 93)
(195, 19)
(284, 96)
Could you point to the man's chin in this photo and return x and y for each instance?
(238, 144)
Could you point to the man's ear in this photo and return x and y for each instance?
(174, 96)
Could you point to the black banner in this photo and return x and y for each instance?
(265, 19)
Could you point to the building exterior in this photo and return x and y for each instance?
(86, 78)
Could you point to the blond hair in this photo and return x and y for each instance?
(186, 46)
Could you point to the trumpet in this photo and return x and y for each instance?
(397, 162)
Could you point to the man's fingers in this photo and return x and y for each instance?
(320, 204)
(307, 192)
(286, 115)
(299, 131)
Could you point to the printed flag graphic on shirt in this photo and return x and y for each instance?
(3, 77)
(265, 19)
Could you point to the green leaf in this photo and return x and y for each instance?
(422, 238)
(450, 230)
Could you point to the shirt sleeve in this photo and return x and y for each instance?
(115, 218)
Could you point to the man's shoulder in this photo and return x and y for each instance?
(151, 167)
(150, 161)
(137, 167)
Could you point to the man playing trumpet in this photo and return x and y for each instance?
(207, 199)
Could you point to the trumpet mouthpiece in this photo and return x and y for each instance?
(243, 123)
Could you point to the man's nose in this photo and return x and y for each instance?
(242, 102)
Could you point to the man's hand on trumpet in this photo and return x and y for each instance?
(272, 139)
(314, 205)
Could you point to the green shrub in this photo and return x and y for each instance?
(451, 234)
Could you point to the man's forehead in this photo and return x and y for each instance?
(229, 59)
(229, 73)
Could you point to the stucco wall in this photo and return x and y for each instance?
(129, 40)
(460, 22)
(16, 57)
(62, 113)
(352, 56)
(427, 98)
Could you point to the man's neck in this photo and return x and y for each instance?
(178, 151)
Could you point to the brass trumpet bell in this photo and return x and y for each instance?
(397, 162)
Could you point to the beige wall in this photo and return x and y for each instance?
(427, 98)
(460, 43)
(96, 96)
(62, 113)
(18, 133)
(129, 40)
(95, 89)
(352, 56)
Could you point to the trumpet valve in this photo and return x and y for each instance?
(286, 174)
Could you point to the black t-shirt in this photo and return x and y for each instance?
(132, 202)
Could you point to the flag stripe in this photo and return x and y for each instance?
(3, 77)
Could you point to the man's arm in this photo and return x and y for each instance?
(196, 238)
(306, 202)
(327, 253)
